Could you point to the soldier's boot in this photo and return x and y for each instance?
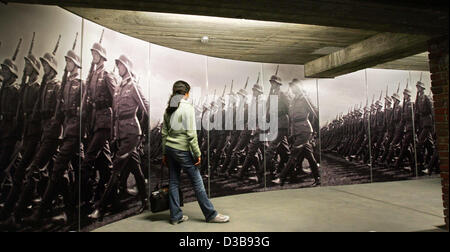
(243, 173)
(111, 188)
(5, 212)
(232, 165)
(315, 172)
(36, 218)
(140, 182)
(226, 163)
(24, 199)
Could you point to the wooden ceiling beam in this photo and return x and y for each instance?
(376, 50)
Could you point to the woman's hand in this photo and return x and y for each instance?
(164, 160)
(199, 161)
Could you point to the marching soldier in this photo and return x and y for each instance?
(9, 97)
(255, 144)
(395, 121)
(233, 139)
(301, 131)
(407, 125)
(98, 115)
(128, 99)
(68, 114)
(379, 130)
(390, 127)
(280, 143)
(31, 130)
(424, 117)
(43, 115)
(219, 139)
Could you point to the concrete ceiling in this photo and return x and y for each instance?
(237, 39)
(329, 37)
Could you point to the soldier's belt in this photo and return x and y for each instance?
(127, 116)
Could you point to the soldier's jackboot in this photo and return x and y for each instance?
(232, 165)
(5, 212)
(243, 173)
(111, 189)
(36, 218)
(140, 183)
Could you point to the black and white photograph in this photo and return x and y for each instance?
(292, 153)
(40, 119)
(402, 132)
(161, 116)
(344, 130)
(115, 124)
(236, 89)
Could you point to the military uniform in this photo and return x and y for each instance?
(408, 137)
(9, 134)
(390, 132)
(100, 93)
(424, 117)
(31, 136)
(280, 144)
(379, 131)
(396, 122)
(127, 99)
(252, 157)
(301, 131)
(219, 141)
(43, 115)
(67, 115)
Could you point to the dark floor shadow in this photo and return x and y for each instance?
(157, 217)
(441, 228)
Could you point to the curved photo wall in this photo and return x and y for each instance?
(82, 109)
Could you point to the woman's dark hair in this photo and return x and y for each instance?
(179, 89)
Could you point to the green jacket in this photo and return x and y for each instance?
(181, 134)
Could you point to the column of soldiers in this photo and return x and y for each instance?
(75, 140)
(236, 150)
(398, 131)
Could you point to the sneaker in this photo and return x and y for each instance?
(183, 219)
(220, 218)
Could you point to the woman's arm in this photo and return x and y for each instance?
(164, 132)
(191, 131)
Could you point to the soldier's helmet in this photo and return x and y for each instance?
(7, 63)
(74, 57)
(420, 84)
(100, 49)
(242, 92)
(31, 59)
(275, 79)
(257, 88)
(51, 61)
(407, 91)
(126, 62)
(396, 97)
(358, 112)
(388, 99)
(378, 104)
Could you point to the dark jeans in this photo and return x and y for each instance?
(177, 160)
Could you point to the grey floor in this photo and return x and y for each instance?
(414, 205)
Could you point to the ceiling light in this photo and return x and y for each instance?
(204, 39)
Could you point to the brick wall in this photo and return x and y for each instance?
(438, 60)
